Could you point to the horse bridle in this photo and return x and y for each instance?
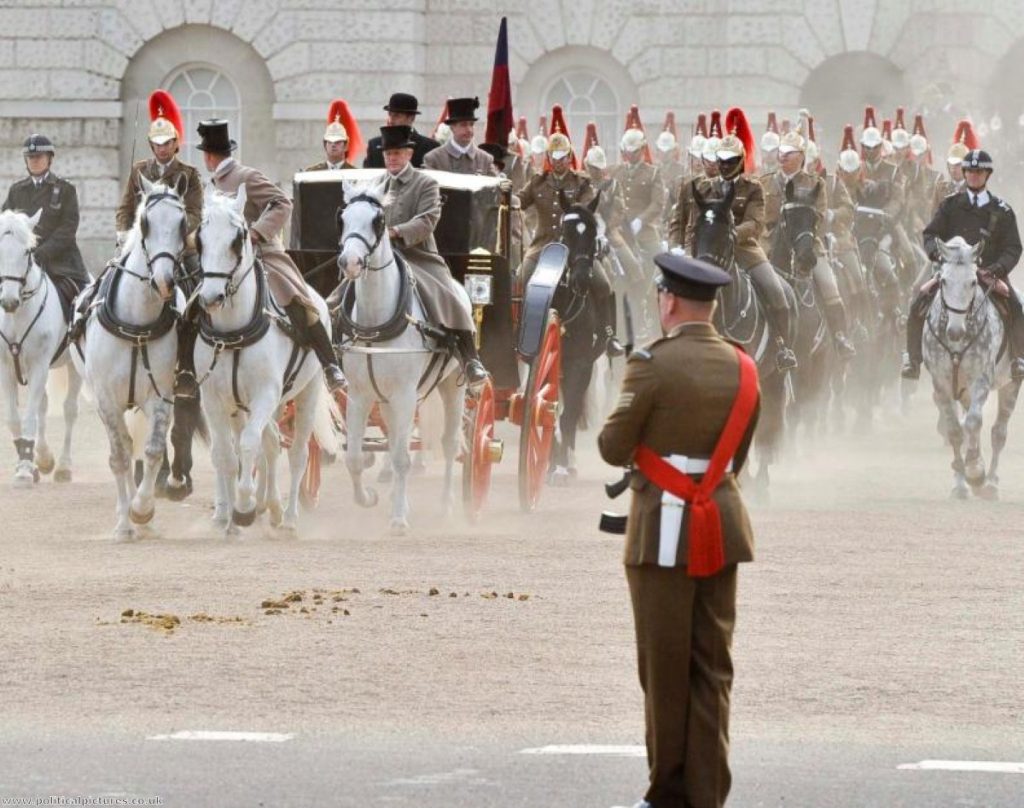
(232, 286)
(803, 234)
(378, 231)
(22, 280)
(724, 260)
(179, 270)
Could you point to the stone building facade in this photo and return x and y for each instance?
(80, 70)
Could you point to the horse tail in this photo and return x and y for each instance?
(325, 420)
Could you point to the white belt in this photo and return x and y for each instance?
(672, 508)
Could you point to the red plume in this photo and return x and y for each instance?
(848, 142)
(869, 117)
(919, 125)
(887, 129)
(633, 122)
(163, 105)
(521, 131)
(716, 124)
(736, 123)
(590, 140)
(965, 134)
(670, 124)
(773, 123)
(340, 112)
(543, 127)
(900, 122)
(558, 125)
(702, 125)
(810, 128)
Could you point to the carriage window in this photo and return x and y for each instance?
(203, 91)
(587, 97)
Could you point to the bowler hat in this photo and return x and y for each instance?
(213, 134)
(396, 137)
(462, 109)
(404, 103)
(688, 277)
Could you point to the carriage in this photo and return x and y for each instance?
(514, 325)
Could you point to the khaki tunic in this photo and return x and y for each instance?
(841, 205)
(324, 166)
(748, 214)
(644, 192)
(474, 161)
(414, 212)
(124, 217)
(268, 210)
(680, 220)
(673, 175)
(541, 193)
(884, 171)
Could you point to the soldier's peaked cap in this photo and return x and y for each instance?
(689, 277)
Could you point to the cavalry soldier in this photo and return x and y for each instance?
(964, 140)
(342, 140)
(612, 207)
(644, 192)
(876, 169)
(673, 171)
(791, 165)
(734, 153)
(267, 211)
(976, 215)
(919, 179)
(687, 529)
(770, 141)
(411, 217)
(695, 150)
(401, 110)
(460, 155)
(543, 192)
(56, 249)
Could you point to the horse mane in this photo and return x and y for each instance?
(17, 222)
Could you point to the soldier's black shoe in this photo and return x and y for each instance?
(844, 347)
(613, 348)
(1017, 369)
(476, 373)
(186, 385)
(911, 369)
(785, 359)
(335, 379)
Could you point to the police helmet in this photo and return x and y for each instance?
(37, 144)
(977, 158)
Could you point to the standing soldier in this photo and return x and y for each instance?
(687, 530)
(977, 216)
(56, 249)
(460, 155)
(342, 140)
(267, 211)
(401, 110)
(644, 192)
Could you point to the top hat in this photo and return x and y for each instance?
(404, 103)
(213, 134)
(462, 109)
(396, 137)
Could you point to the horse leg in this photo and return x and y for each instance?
(974, 470)
(955, 436)
(249, 444)
(187, 415)
(268, 497)
(158, 413)
(44, 456)
(27, 471)
(225, 464)
(63, 472)
(120, 461)
(1007, 402)
(356, 412)
(399, 414)
(306, 403)
(454, 397)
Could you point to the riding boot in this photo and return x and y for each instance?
(613, 347)
(465, 346)
(835, 315)
(778, 318)
(80, 315)
(186, 385)
(915, 335)
(318, 340)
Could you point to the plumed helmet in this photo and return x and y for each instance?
(715, 129)
(965, 134)
(632, 140)
(977, 158)
(710, 150)
(849, 161)
(670, 124)
(539, 144)
(792, 141)
(738, 127)
(633, 122)
(521, 131)
(564, 143)
(918, 145)
(956, 154)
(666, 141)
(770, 141)
(596, 157)
(696, 147)
(871, 137)
(342, 125)
(773, 123)
(900, 138)
(37, 144)
(559, 145)
(701, 127)
(165, 119)
(590, 139)
(811, 151)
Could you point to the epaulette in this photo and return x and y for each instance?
(1005, 205)
(735, 344)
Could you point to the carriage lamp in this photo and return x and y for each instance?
(479, 289)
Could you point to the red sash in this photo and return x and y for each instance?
(706, 546)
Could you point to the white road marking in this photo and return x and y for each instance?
(220, 735)
(990, 766)
(587, 749)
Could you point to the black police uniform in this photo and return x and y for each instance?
(56, 249)
(996, 225)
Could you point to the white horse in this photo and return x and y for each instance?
(249, 368)
(129, 349)
(385, 358)
(966, 353)
(32, 330)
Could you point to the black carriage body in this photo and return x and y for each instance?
(467, 237)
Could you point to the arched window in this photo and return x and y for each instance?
(203, 91)
(587, 97)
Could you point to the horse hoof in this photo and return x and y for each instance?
(141, 518)
(958, 493)
(178, 490)
(399, 527)
(232, 530)
(23, 481)
(287, 527)
(242, 518)
(62, 476)
(989, 492)
(123, 535)
(369, 499)
(559, 477)
(45, 464)
(276, 515)
(573, 472)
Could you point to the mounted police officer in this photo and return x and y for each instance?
(401, 110)
(976, 215)
(56, 249)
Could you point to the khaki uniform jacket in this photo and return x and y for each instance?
(676, 396)
(679, 222)
(125, 216)
(919, 182)
(542, 193)
(774, 186)
(748, 215)
(673, 174)
(944, 187)
(841, 205)
(519, 171)
(643, 190)
(267, 210)
(884, 171)
(414, 212)
(323, 166)
(474, 161)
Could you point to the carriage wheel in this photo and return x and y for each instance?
(540, 414)
(309, 490)
(482, 451)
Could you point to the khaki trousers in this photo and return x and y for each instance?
(684, 630)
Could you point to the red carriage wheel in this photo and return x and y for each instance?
(482, 451)
(540, 414)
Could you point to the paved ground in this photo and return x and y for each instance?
(881, 625)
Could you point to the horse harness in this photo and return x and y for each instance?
(956, 357)
(15, 346)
